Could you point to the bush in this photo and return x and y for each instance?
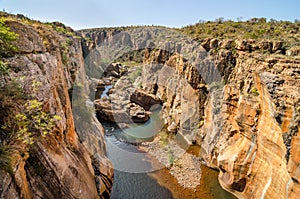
(32, 122)
(256, 28)
(6, 39)
(4, 70)
(8, 157)
(255, 92)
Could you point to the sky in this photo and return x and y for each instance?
(107, 13)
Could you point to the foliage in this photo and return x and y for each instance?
(32, 122)
(140, 85)
(61, 28)
(255, 92)
(64, 53)
(255, 28)
(132, 57)
(8, 157)
(4, 69)
(29, 124)
(130, 63)
(6, 39)
(171, 158)
(135, 74)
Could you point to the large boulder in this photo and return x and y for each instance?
(144, 99)
(127, 113)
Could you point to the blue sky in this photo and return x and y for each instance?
(99, 13)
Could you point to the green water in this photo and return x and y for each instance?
(142, 132)
(136, 177)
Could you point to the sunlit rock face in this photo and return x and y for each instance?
(255, 148)
(254, 145)
(61, 165)
(241, 108)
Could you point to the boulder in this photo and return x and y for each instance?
(294, 51)
(243, 45)
(137, 113)
(277, 46)
(227, 44)
(144, 99)
(113, 70)
(206, 44)
(265, 45)
(213, 43)
(120, 114)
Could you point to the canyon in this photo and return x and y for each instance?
(236, 100)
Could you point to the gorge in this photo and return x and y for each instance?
(221, 112)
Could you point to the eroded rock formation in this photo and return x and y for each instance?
(120, 107)
(236, 99)
(61, 165)
(239, 102)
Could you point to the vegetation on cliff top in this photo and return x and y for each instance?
(6, 39)
(255, 28)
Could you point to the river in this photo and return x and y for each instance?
(138, 175)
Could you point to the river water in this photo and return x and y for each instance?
(138, 175)
(130, 182)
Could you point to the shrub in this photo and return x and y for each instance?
(256, 28)
(64, 53)
(32, 122)
(255, 92)
(8, 157)
(6, 39)
(4, 70)
(135, 74)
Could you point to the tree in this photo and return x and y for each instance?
(219, 20)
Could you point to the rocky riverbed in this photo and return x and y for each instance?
(183, 166)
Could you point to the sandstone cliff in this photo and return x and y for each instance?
(68, 162)
(237, 99)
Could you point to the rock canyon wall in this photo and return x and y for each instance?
(231, 98)
(237, 100)
(69, 162)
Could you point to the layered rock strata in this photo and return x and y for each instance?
(64, 164)
(240, 104)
